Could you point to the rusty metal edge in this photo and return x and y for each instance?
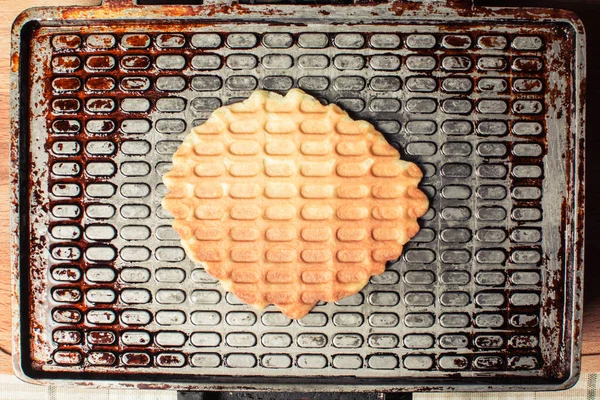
(125, 11)
(580, 69)
(18, 24)
(121, 11)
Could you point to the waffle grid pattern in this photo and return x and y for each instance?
(466, 105)
(329, 206)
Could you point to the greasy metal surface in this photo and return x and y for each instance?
(489, 293)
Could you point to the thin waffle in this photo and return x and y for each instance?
(289, 202)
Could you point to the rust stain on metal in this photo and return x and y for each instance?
(14, 62)
(399, 7)
(69, 41)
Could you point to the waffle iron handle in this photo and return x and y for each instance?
(451, 3)
(128, 3)
(291, 396)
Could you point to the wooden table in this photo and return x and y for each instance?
(587, 9)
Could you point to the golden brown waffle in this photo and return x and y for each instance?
(289, 202)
